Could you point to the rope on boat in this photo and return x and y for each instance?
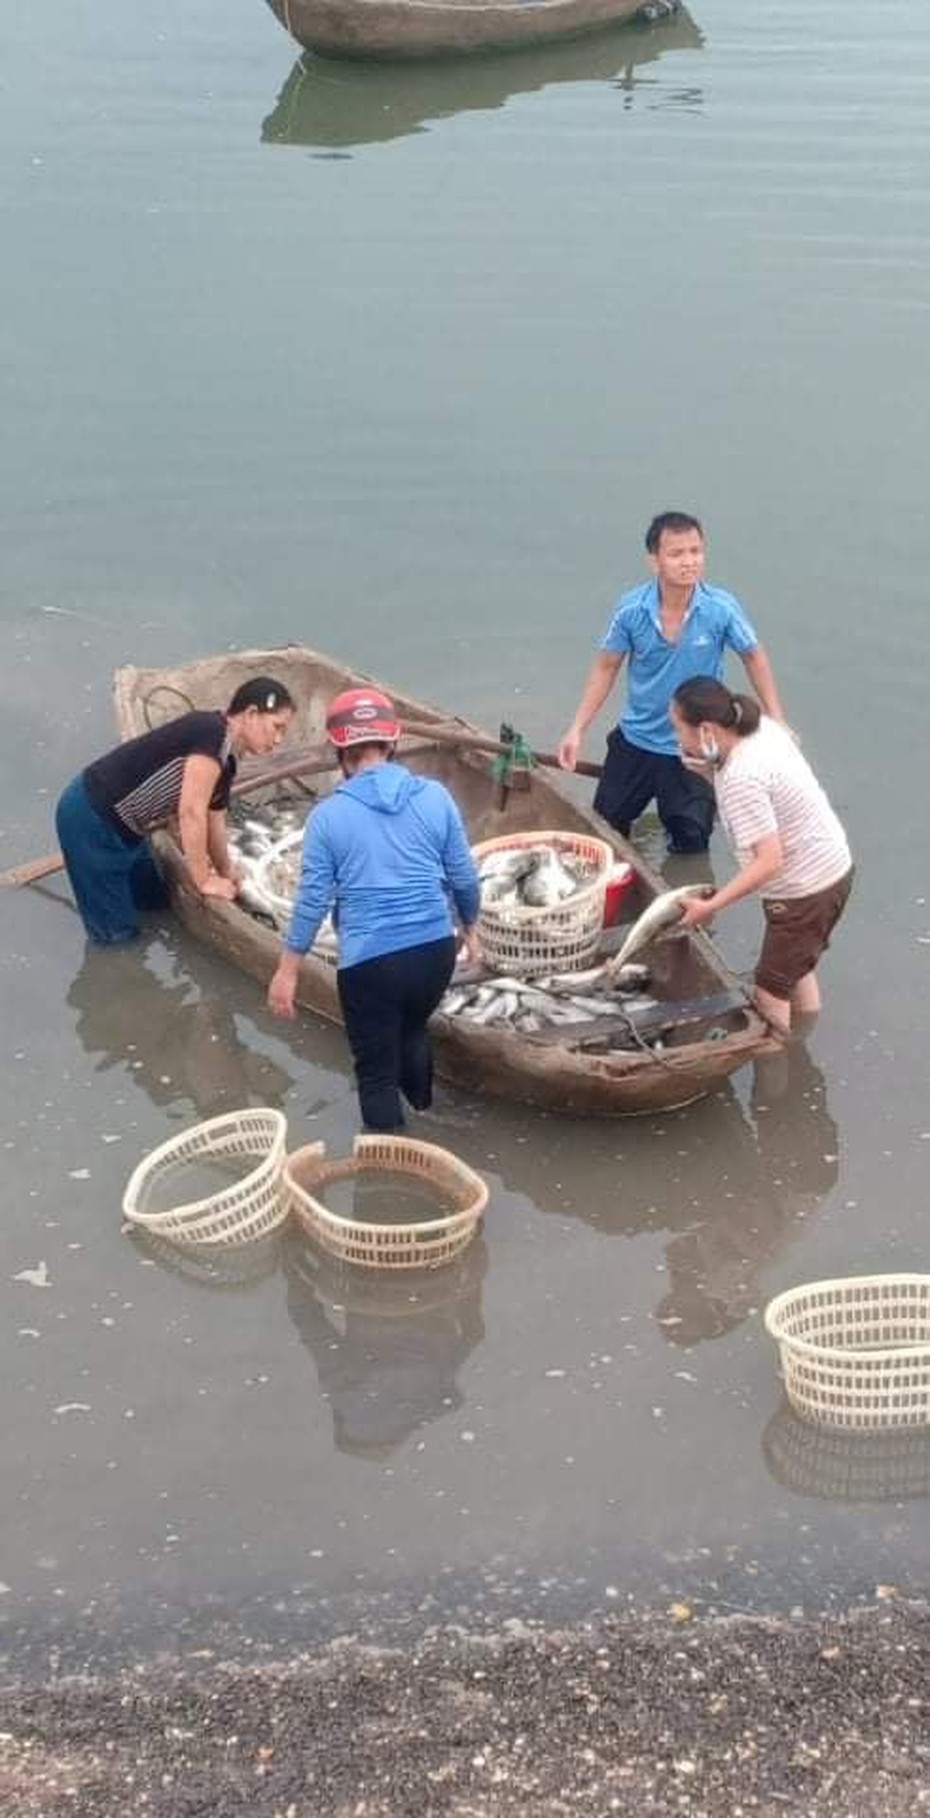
(164, 688)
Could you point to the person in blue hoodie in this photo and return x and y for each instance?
(388, 854)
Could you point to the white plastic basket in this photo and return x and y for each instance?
(251, 1206)
(855, 1352)
(424, 1245)
(530, 942)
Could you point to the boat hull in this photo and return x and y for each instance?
(427, 28)
(553, 1076)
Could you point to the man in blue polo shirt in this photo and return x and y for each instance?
(670, 629)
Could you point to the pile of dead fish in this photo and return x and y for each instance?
(617, 988)
(532, 877)
(267, 849)
(529, 1005)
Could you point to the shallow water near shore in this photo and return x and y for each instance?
(404, 377)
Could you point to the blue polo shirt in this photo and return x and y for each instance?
(715, 622)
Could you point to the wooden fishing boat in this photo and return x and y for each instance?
(436, 28)
(567, 1071)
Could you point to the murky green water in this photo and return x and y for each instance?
(399, 363)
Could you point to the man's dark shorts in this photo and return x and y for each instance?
(797, 932)
(632, 778)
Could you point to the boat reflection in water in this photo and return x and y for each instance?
(782, 1165)
(728, 1187)
(846, 1467)
(174, 1034)
(387, 1347)
(338, 105)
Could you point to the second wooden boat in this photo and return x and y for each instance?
(436, 28)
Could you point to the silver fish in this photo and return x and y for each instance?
(631, 977)
(663, 912)
(548, 883)
(501, 892)
(593, 1006)
(481, 1014)
(570, 981)
(527, 1022)
(250, 892)
(500, 874)
(512, 862)
(566, 1012)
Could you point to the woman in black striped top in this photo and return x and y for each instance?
(184, 768)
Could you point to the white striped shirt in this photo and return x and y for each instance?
(767, 786)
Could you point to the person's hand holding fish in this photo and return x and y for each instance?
(698, 909)
(223, 887)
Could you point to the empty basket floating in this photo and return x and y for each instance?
(249, 1145)
(530, 941)
(425, 1244)
(855, 1353)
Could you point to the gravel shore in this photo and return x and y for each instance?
(719, 1717)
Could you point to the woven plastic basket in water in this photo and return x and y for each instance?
(531, 942)
(855, 1353)
(252, 1205)
(424, 1245)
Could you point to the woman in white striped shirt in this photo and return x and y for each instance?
(789, 844)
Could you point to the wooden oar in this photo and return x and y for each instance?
(311, 761)
(444, 734)
(32, 870)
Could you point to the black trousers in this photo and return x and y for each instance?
(632, 777)
(386, 1004)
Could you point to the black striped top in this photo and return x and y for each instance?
(139, 783)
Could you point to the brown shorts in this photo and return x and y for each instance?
(797, 932)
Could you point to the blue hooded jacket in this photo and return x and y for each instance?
(385, 852)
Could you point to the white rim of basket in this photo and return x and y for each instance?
(173, 1143)
(843, 1353)
(362, 1146)
(516, 913)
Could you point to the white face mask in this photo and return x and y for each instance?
(710, 750)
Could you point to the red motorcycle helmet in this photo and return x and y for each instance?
(362, 716)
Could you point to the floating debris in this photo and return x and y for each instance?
(35, 1278)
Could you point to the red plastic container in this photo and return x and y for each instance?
(620, 881)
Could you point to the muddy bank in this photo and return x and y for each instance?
(823, 1717)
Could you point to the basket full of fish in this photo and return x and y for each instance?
(542, 901)
(608, 1005)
